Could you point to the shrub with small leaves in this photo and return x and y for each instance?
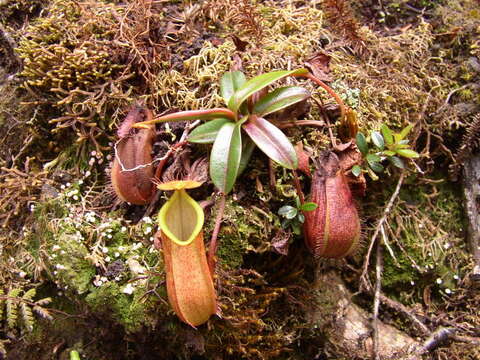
(293, 215)
(387, 145)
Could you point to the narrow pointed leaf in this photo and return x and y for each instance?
(408, 153)
(190, 115)
(207, 133)
(272, 141)
(279, 99)
(405, 132)
(258, 83)
(231, 82)
(225, 157)
(387, 134)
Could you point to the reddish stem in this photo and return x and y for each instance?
(189, 116)
(298, 187)
(271, 173)
(328, 89)
(213, 242)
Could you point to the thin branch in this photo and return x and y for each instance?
(376, 301)
(329, 90)
(298, 186)
(407, 312)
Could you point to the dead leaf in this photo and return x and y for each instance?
(239, 44)
(295, 111)
(303, 159)
(280, 242)
(349, 156)
(319, 66)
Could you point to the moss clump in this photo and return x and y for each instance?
(125, 309)
(245, 229)
(426, 233)
(92, 257)
(68, 63)
(15, 12)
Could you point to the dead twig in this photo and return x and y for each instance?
(376, 301)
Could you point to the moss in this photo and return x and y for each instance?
(426, 240)
(125, 309)
(245, 229)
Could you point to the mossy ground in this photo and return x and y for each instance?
(85, 63)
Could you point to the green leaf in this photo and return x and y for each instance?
(279, 99)
(356, 170)
(74, 355)
(408, 153)
(297, 230)
(308, 206)
(387, 134)
(373, 158)
(258, 83)
(272, 141)
(405, 132)
(206, 133)
(301, 218)
(225, 157)
(374, 162)
(231, 82)
(396, 161)
(378, 141)
(288, 212)
(362, 144)
(297, 202)
(247, 150)
(400, 146)
(375, 166)
(389, 153)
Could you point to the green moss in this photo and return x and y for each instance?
(244, 229)
(426, 238)
(125, 309)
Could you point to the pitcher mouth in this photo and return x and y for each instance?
(178, 185)
(181, 218)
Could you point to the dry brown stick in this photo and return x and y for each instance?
(376, 300)
(364, 281)
(407, 312)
